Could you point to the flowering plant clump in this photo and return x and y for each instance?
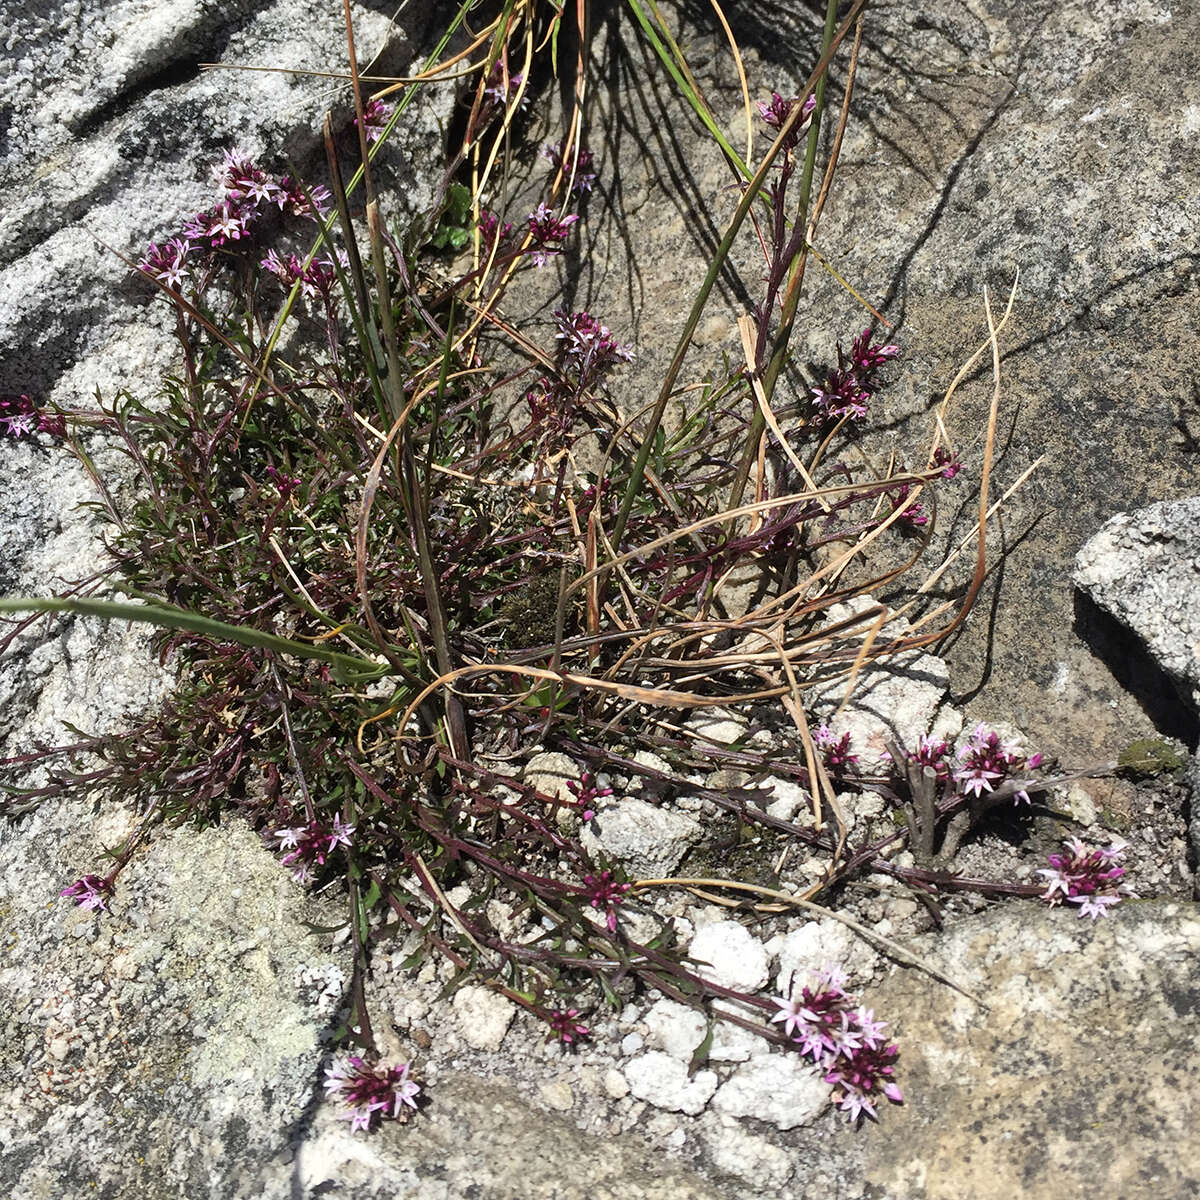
(589, 348)
(986, 761)
(1089, 878)
(843, 1038)
(369, 1092)
(336, 511)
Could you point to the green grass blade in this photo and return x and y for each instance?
(349, 668)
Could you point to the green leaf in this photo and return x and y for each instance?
(700, 1054)
(347, 668)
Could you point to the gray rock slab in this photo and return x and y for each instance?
(1084, 1066)
(113, 128)
(173, 1047)
(1144, 569)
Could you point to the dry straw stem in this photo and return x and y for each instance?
(893, 949)
(745, 324)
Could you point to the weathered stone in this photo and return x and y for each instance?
(663, 1081)
(728, 954)
(1144, 568)
(780, 1088)
(1085, 1059)
(647, 839)
(483, 1016)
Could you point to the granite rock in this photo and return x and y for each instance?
(1144, 569)
(1084, 1059)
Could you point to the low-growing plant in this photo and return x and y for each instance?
(361, 533)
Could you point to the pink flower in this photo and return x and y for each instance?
(605, 893)
(498, 89)
(911, 514)
(586, 793)
(491, 229)
(376, 115)
(18, 416)
(866, 357)
(932, 754)
(776, 111)
(863, 1075)
(588, 347)
(165, 262)
(544, 228)
(240, 179)
(986, 761)
(817, 1020)
(1088, 878)
(367, 1091)
(565, 1027)
(836, 750)
(843, 1039)
(585, 176)
(309, 846)
(948, 461)
(89, 892)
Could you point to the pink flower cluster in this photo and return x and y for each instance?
(836, 750)
(376, 115)
(912, 514)
(565, 1027)
(847, 390)
(501, 86)
(545, 229)
(932, 754)
(491, 230)
(587, 352)
(317, 279)
(20, 417)
(776, 111)
(1089, 878)
(367, 1091)
(308, 846)
(248, 195)
(987, 761)
(586, 793)
(588, 349)
(605, 893)
(843, 1039)
(583, 167)
(949, 462)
